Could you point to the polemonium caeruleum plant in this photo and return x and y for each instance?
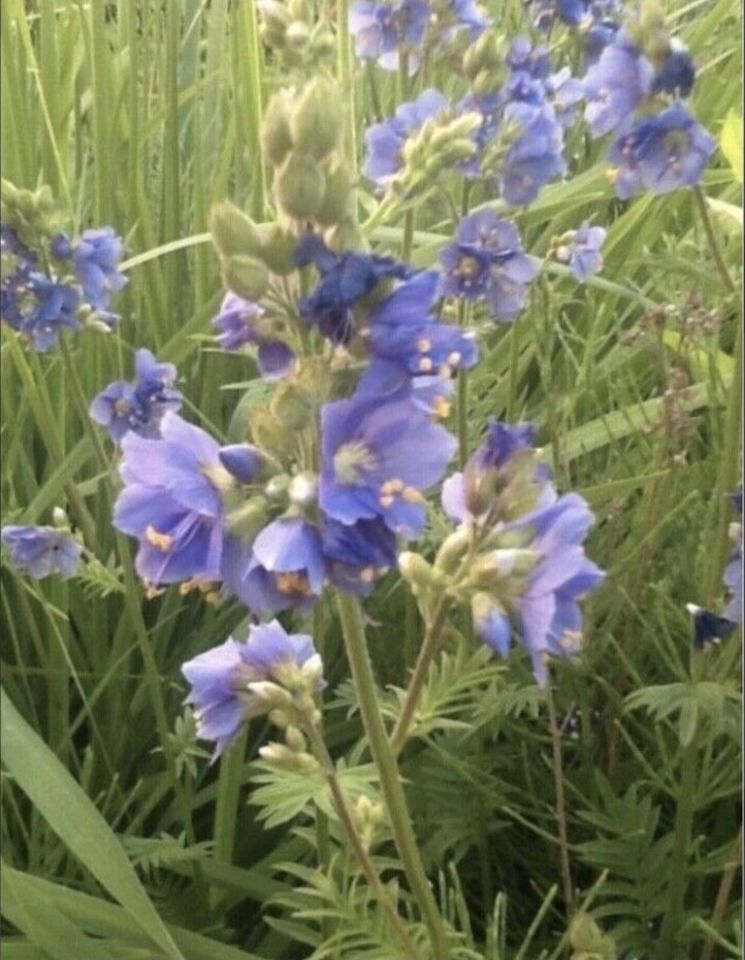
(337, 479)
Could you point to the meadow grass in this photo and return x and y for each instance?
(119, 839)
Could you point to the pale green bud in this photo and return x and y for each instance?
(275, 127)
(295, 739)
(336, 197)
(346, 235)
(246, 276)
(297, 35)
(232, 231)
(300, 186)
(416, 571)
(248, 519)
(275, 16)
(277, 490)
(271, 694)
(277, 248)
(453, 550)
(281, 756)
(315, 123)
(303, 490)
(270, 435)
(291, 405)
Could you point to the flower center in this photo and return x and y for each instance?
(351, 461)
(292, 583)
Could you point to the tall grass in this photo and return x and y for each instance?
(141, 115)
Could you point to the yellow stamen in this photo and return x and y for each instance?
(160, 540)
(293, 582)
(412, 495)
(425, 365)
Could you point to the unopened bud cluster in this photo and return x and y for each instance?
(294, 34)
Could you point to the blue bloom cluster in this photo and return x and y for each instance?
(58, 283)
(530, 570)
(636, 95)
(139, 406)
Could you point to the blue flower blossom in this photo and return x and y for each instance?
(96, 256)
(615, 86)
(358, 554)
(581, 251)
(733, 570)
(239, 324)
(661, 153)
(46, 308)
(487, 260)
(385, 141)
(709, 629)
(534, 154)
(346, 278)
(138, 406)
(172, 503)
(677, 73)
(382, 30)
(546, 614)
(42, 551)
(222, 679)
(378, 455)
(400, 330)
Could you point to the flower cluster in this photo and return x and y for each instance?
(138, 406)
(50, 283)
(635, 90)
(517, 557)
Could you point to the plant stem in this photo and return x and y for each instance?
(253, 99)
(463, 319)
(363, 858)
(711, 236)
(723, 894)
(561, 819)
(407, 241)
(419, 676)
(514, 373)
(679, 861)
(226, 804)
(390, 780)
(346, 79)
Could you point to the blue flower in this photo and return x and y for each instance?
(47, 307)
(283, 568)
(358, 554)
(565, 92)
(138, 406)
(661, 153)
(487, 260)
(96, 256)
(733, 570)
(581, 251)
(222, 679)
(378, 455)
(42, 551)
(172, 502)
(400, 330)
(381, 30)
(677, 73)
(346, 278)
(451, 16)
(524, 57)
(546, 614)
(383, 379)
(615, 86)
(18, 262)
(385, 141)
(534, 155)
(240, 324)
(708, 628)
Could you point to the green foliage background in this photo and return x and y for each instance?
(141, 115)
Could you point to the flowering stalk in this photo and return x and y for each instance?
(390, 780)
(561, 818)
(226, 804)
(347, 821)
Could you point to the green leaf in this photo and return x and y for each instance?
(730, 141)
(75, 819)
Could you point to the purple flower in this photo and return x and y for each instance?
(381, 30)
(565, 92)
(96, 256)
(385, 141)
(615, 86)
(358, 554)
(239, 322)
(172, 502)
(47, 307)
(400, 330)
(42, 551)
(345, 279)
(138, 406)
(222, 679)
(383, 379)
(708, 628)
(378, 455)
(454, 15)
(525, 58)
(487, 260)
(283, 568)
(677, 73)
(733, 570)
(546, 614)
(661, 153)
(582, 251)
(534, 156)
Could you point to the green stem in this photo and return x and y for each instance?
(390, 780)
(462, 399)
(407, 242)
(226, 804)
(678, 871)
(372, 81)
(711, 237)
(428, 650)
(514, 373)
(253, 99)
(346, 79)
(723, 894)
(561, 819)
(355, 841)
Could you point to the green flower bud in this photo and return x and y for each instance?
(315, 123)
(300, 186)
(275, 128)
(292, 405)
(275, 16)
(270, 435)
(588, 940)
(281, 756)
(232, 231)
(246, 276)
(336, 197)
(496, 568)
(295, 739)
(453, 550)
(277, 490)
(278, 248)
(416, 571)
(297, 35)
(483, 55)
(322, 41)
(346, 235)
(248, 519)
